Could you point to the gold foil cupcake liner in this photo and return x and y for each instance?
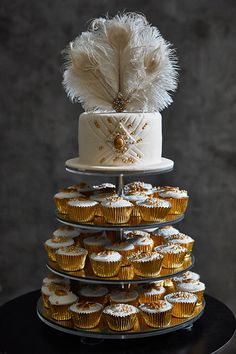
(60, 312)
(144, 248)
(147, 269)
(178, 206)
(118, 215)
(119, 323)
(45, 301)
(71, 263)
(51, 252)
(93, 248)
(126, 273)
(133, 302)
(86, 320)
(158, 240)
(61, 204)
(135, 211)
(82, 214)
(98, 211)
(146, 298)
(105, 269)
(125, 254)
(156, 320)
(199, 295)
(173, 260)
(183, 309)
(154, 213)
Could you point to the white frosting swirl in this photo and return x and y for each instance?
(151, 308)
(181, 297)
(185, 276)
(115, 202)
(106, 256)
(170, 248)
(123, 296)
(86, 307)
(66, 232)
(193, 285)
(155, 203)
(64, 243)
(167, 231)
(82, 203)
(95, 291)
(67, 195)
(120, 310)
(66, 299)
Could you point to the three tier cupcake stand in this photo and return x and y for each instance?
(123, 280)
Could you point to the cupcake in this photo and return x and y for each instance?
(83, 188)
(138, 187)
(185, 276)
(120, 317)
(154, 209)
(68, 231)
(104, 188)
(59, 304)
(173, 255)
(182, 240)
(96, 243)
(156, 314)
(146, 264)
(192, 286)
(95, 293)
(55, 279)
(135, 199)
(116, 210)
(177, 197)
(62, 198)
(160, 234)
(81, 210)
(124, 248)
(99, 198)
(86, 314)
(183, 304)
(53, 244)
(143, 243)
(124, 297)
(106, 263)
(71, 258)
(49, 289)
(151, 293)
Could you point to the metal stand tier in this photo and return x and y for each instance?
(140, 329)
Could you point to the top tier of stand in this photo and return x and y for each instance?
(74, 166)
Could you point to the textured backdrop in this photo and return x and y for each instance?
(39, 128)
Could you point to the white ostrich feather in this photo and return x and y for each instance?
(122, 57)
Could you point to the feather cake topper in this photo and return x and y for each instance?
(121, 64)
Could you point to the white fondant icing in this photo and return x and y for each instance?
(155, 202)
(170, 248)
(194, 285)
(167, 231)
(77, 251)
(115, 202)
(66, 195)
(141, 139)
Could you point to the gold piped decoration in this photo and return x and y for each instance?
(120, 103)
(119, 142)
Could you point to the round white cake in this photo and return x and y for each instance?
(120, 139)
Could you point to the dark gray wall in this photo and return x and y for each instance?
(39, 128)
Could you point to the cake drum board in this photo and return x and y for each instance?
(74, 166)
